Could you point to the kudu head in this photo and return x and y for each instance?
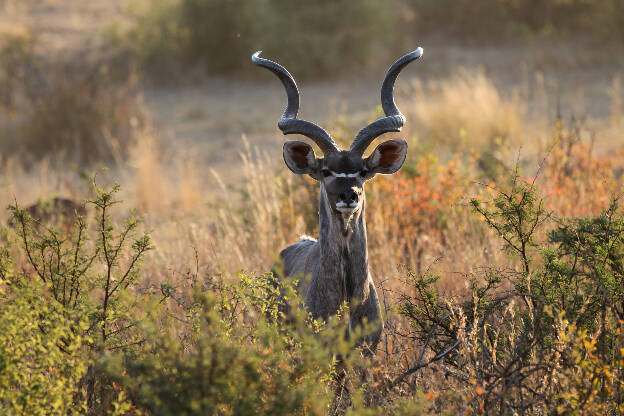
(342, 173)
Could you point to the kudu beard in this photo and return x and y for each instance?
(334, 269)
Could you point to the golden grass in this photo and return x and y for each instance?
(197, 220)
(465, 109)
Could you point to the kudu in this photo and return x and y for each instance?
(334, 268)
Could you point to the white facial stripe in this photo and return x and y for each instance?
(342, 204)
(345, 175)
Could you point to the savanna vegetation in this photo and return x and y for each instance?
(497, 250)
(331, 38)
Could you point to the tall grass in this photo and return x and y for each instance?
(463, 134)
(466, 109)
(419, 221)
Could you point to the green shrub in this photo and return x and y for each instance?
(317, 38)
(228, 370)
(88, 279)
(321, 38)
(70, 302)
(41, 363)
(237, 355)
(544, 339)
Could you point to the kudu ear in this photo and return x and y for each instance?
(388, 157)
(300, 158)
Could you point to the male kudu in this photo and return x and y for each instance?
(334, 268)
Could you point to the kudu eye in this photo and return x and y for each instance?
(326, 172)
(363, 173)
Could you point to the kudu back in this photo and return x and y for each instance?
(334, 269)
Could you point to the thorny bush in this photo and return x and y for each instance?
(543, 340)
(85, 334)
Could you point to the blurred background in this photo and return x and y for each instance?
(163, 95)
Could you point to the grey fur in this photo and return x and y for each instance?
(334, 269)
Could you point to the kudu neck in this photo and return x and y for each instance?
(344, 255)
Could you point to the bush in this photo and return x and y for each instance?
(41, 363)
(228, 366)
(65, 263)
(81, 115)
(520, 19)
(310, 38)
(68, 106)
(18, 66)
(546, 339)
(82, 338)
(70, 302)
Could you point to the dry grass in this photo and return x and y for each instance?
(195, 214)
(466, 109)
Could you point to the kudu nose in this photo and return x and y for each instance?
(348, 197)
